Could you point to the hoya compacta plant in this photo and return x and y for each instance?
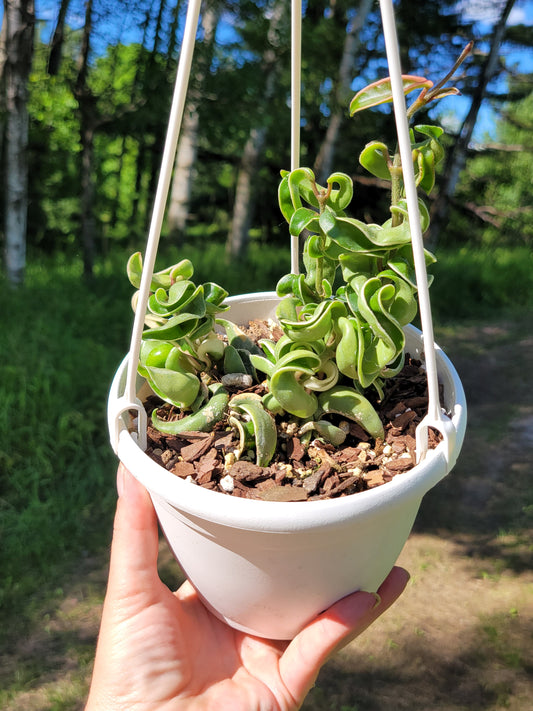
(340, 323)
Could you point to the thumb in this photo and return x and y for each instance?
(133, 564)
(334, 628)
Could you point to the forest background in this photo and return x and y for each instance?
(85, 91)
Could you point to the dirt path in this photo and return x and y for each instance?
(461, 636)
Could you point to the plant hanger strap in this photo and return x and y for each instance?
(296, 84)
(435, 417)
(129, 399)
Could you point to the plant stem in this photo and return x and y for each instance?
(322, 197)
(396, 186)
(426, 96)
(464, 54)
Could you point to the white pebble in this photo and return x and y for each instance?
(227, 484)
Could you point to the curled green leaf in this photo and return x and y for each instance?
(291, 394)
(354, 406)
(375, 158)
(303, 219)
(163, 279)
(263, 425)
(317, 325)
(182, 296)
(202, 421)
(326, 377)
(328, 431)
(174, 328)
(340, 197)
(179, 388)
(347, 348)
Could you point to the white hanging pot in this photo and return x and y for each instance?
(268, 568)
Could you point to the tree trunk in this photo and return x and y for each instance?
(3, 59)
(180, 193)
(56, 42)
(88, 191)
(140, 161)
(88, 120)
(457, 156)
(173, 34)
(3, 46)
(352, 42)
(243, 208)
(158, 127)
(19, 18)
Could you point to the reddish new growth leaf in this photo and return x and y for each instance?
(380, 92)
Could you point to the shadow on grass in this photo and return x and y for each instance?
(492, 667)
(486, 503)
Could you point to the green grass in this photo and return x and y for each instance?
(61, 342)
(476, 284)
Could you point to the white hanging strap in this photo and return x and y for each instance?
(435, 417)
(129, 401)
(296, 80)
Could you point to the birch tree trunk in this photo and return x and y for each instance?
(243, 208)
(238, 237)
(180, 193)
(352, 42)
(19, 18)
(457, 156)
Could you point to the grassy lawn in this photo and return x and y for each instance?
(459, 638)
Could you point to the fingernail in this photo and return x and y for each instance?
(376, 596)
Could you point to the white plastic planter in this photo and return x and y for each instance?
(268, 568)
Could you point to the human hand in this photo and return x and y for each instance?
(163, 650)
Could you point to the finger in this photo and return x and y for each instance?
(333, 629)
(133, 565)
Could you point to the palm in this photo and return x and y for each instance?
(193, 654)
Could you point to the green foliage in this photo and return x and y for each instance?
(54, 159)
(497, 183)
(180, 342)
(473, 282)
(358, 327)
(132, 85)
